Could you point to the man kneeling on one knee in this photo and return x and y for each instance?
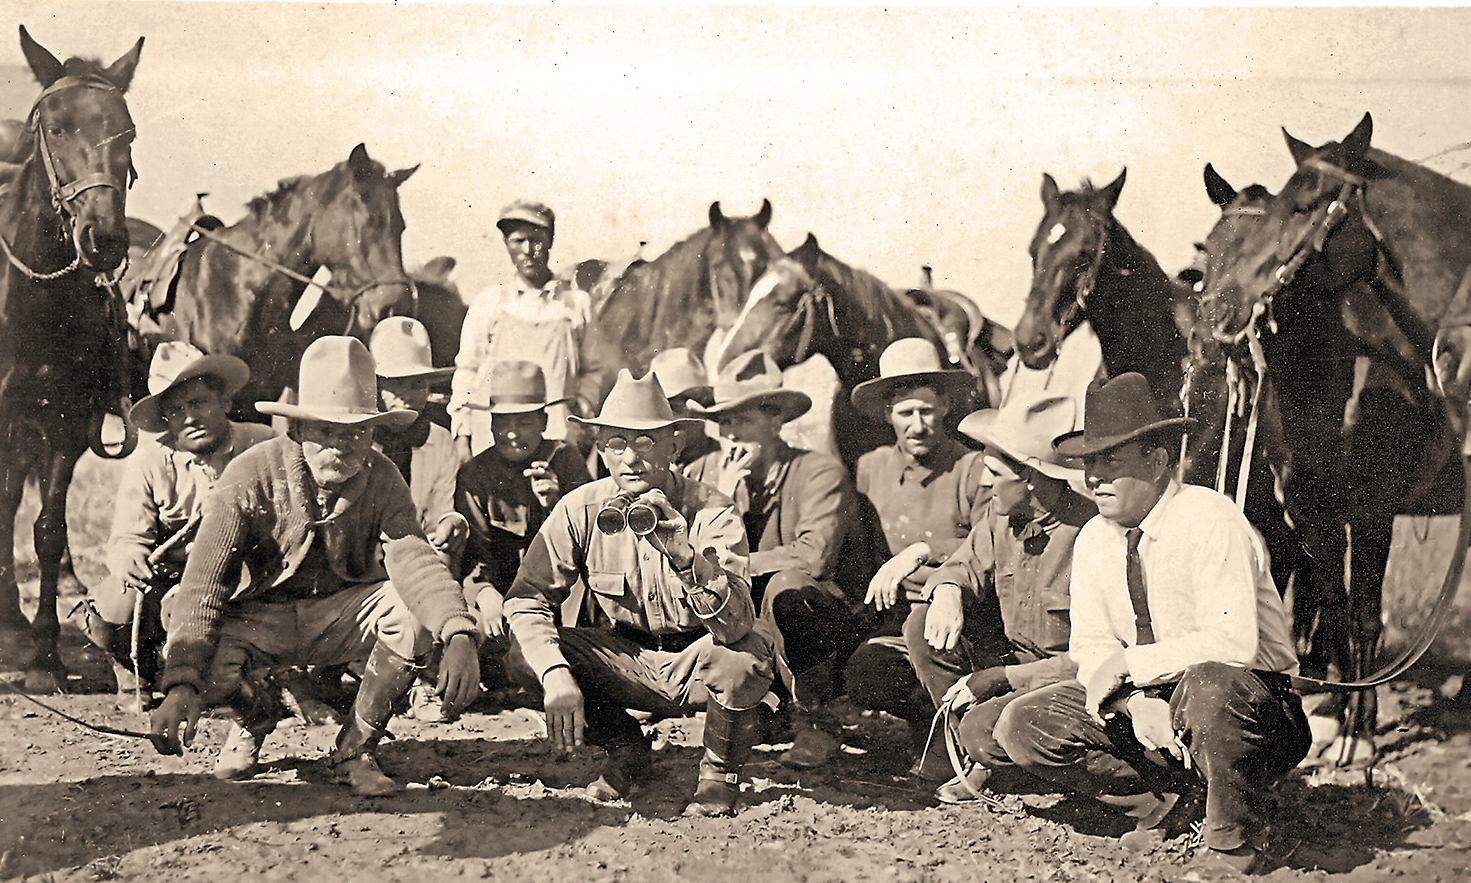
(339, 572)
(667, 624)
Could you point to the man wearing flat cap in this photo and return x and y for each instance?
(161, 497)
(311, 553)
(532, 317)
(665, 622)
(927, 490)
(1183, 647)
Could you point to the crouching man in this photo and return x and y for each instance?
(668, 625)
(339, 572)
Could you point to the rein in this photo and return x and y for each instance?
(1085, 284)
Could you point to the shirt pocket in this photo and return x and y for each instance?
(609, 585)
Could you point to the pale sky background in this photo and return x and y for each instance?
(901, 137)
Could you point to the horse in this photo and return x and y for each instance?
(441, 308)
(1391, 450)
(236, 287)
(810, 303)
(677, 299)
(62, 227)
(1087, 267)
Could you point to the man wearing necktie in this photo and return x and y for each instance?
(992, 622)
(1183, 647)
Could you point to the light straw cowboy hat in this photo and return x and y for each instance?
(176, 363)
(526, 212)
(400, 348)
(1115, 412)
(635, 405)
(908, 363)
(512, 387)
(338, 385)
(1023, 430)
(682, 376)
(751, 380)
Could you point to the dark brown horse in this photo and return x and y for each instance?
(62, 227)
(1365, 445)
(810, 303)
(237, 286)
(675, 300)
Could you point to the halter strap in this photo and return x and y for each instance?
(63, 194)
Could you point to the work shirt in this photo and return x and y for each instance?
(1014, 573)
(1210, 592)
(162, 488)
(632, 583)
(936, 501)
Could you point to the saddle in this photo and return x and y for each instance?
(151, 291)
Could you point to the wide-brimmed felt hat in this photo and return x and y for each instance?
(907, 363)
(635, 405)
(400, 348)
(511, 387)
(175, 363)
(1024, 429)
(681, 374)
(751, 380)
(338, 385)
(527, 212)
(1115, 412)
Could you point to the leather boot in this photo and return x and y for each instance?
(628, 766)
(814, 739)
(729, 737)
(386, 679)
(240, 756)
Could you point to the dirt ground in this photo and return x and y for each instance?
(485, 797)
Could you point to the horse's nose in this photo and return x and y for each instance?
(101, 249)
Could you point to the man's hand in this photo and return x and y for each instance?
(176, 720)
(449, 533)
(735, 465)
(1108, 678)
(459, 675)
(883, 589)
(945, 618)
(462, 448)
(137, 572)
(544, 483)
(490, 613)
(671, 533)
(1152, 724)
(563, 706)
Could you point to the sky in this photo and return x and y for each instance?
(901, 137)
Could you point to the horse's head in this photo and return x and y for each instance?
(1263, 242)
(82, 136)
(737, 253)
(775, 312)
(1067, 252)
(357, 233)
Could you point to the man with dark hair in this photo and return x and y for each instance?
(161, 498)
(1183, 647)
(310, 553)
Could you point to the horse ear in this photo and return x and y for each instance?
(402, 175)
(1217, 188)
(438, 269)
(806, 254)
(1050, 192)
(1300, 150)
(1357, 142)
(717, 217)
(47, 68)
(1112, 191)
(358, 160)
(120, 72)
(763, 217)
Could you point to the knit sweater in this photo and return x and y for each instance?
(263, 517)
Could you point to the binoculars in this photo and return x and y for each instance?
(624, 511)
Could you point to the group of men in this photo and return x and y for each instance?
(1051, 595)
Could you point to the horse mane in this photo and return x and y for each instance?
(77, 66)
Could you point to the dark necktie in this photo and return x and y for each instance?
(1134, 575)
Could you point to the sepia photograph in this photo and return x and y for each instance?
(652, 442)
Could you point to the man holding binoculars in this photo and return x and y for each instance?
(668, 625)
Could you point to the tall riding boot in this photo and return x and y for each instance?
(729, 737)
(386, 679)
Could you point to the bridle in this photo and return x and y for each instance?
(63, 194)
(1072, 314)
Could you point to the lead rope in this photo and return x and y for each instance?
(1259, 363)
(957, 763)
(1224, 459)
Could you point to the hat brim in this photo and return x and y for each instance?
(979, 425)
(147, 412)
(1074, 445)
(396, 372)
(513, 407)
(396, 417)
(872, 396)
(792, 402)
(633, 424)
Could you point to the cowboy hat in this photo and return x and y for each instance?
(176, 363)
(338, 385)
(1023, 430)
(400, 348)
(750, 381)
(908, 362)
(635, 405)
(1115, 412)
(512, 387)
(681, 375)
(526, 212)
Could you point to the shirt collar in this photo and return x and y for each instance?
(215, 461)
(940, 459)
(1154, 522)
